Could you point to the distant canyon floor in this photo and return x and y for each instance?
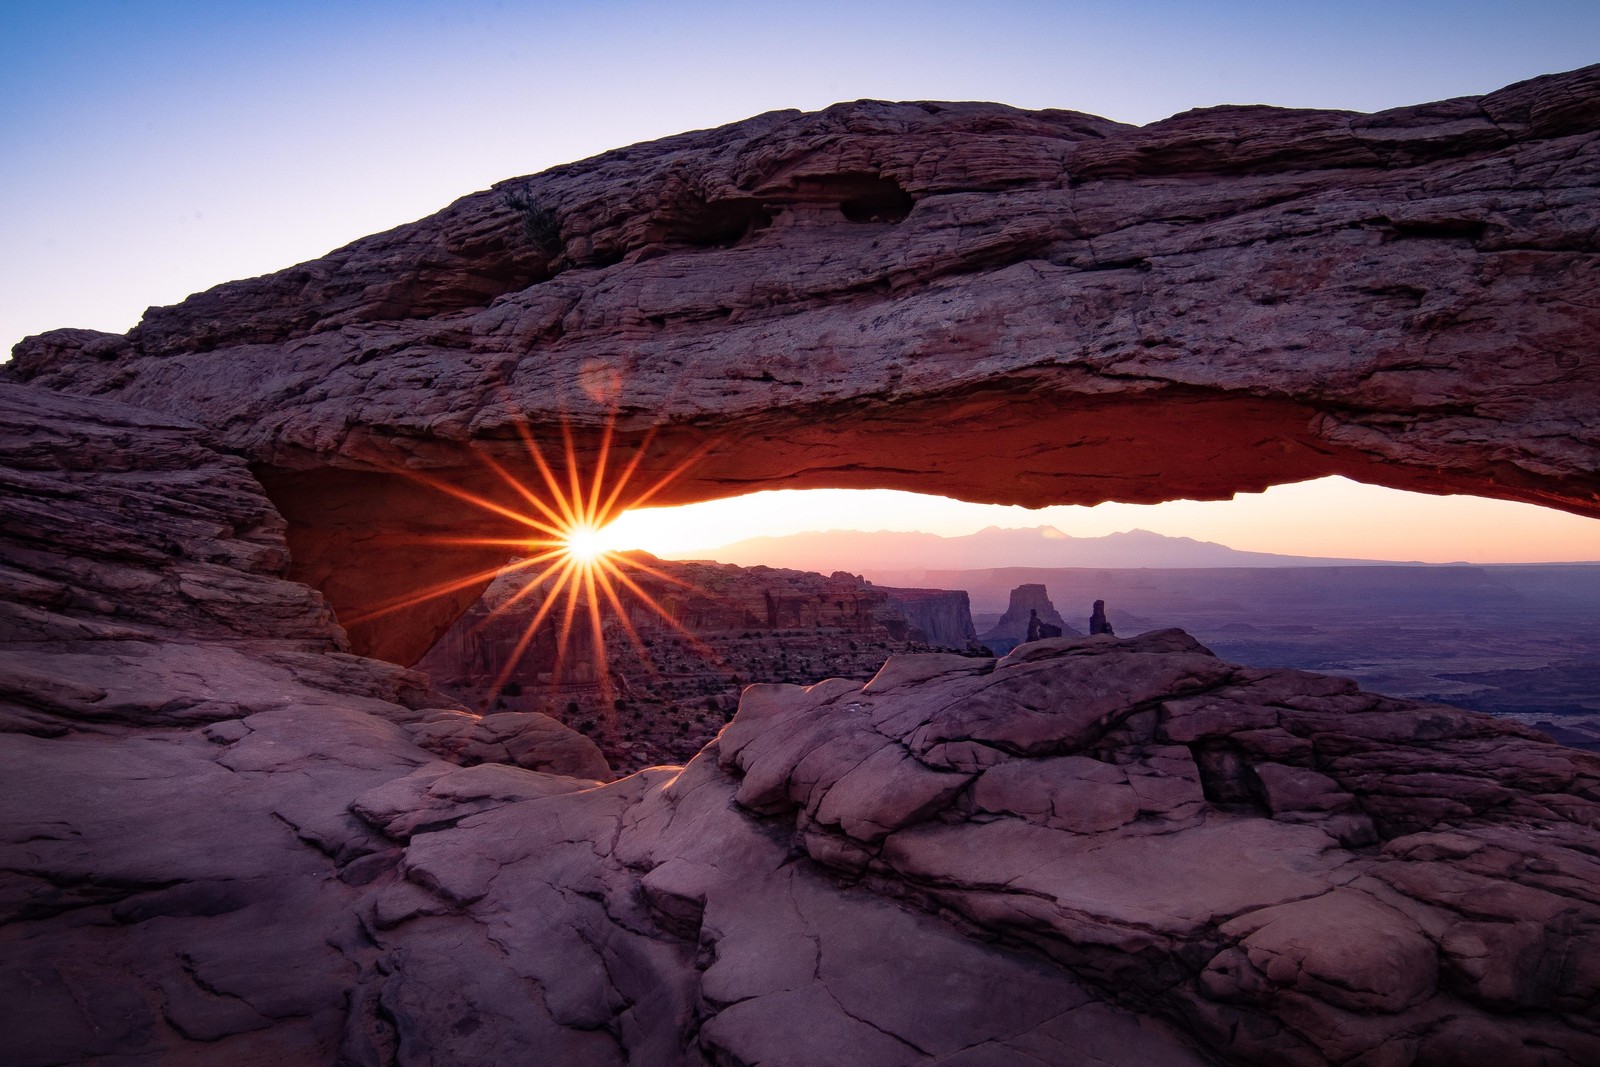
(1518, 642)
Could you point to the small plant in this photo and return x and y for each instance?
(539, 224)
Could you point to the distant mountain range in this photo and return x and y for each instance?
(899, 556)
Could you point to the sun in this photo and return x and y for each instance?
(584, 543)
(565, 545)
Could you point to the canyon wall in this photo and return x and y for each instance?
(654, 674)
(938, 617)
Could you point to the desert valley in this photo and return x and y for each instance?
(1519, 642)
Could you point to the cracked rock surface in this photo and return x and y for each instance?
(914, 296)
(228, 840)
(182, 739)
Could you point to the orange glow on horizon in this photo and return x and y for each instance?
(1329, 516)
(570, 523)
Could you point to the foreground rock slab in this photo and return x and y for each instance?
(1101, 850)
(182, 737)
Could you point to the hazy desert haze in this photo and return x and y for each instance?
(907, 552)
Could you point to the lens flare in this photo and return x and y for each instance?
(584, 544)
(564, 549)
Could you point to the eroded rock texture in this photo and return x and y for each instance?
(1290, 869)
(677, 643)
(181, 737)
(968, 299)
(228, 841)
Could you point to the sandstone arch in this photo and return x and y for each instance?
(1021, 307)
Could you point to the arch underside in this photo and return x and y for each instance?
(369, 538)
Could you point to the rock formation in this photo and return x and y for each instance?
(668, 669)
(181, 737)
(231, 839)
(1098, 624)
(938, 617)
(1012, 628)
(1274, 861)
(227, 840)
(906, 295)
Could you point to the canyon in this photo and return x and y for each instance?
(663, 670)
(240, 828)
(1517, 641)
(229, 840)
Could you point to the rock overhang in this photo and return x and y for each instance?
(969, 299)
(1181, 860)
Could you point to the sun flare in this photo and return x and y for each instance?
(584, 543)
(567, 546)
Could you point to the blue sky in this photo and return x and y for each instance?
(153, 148)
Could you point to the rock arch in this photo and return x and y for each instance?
(1000, 305)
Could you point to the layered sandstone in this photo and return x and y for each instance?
(1021, 307)
(229, 839)
(1285, 867)
(654, 669)
(938, 617)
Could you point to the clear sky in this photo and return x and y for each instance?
(153, 148)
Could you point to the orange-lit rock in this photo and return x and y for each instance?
(1020, 307)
